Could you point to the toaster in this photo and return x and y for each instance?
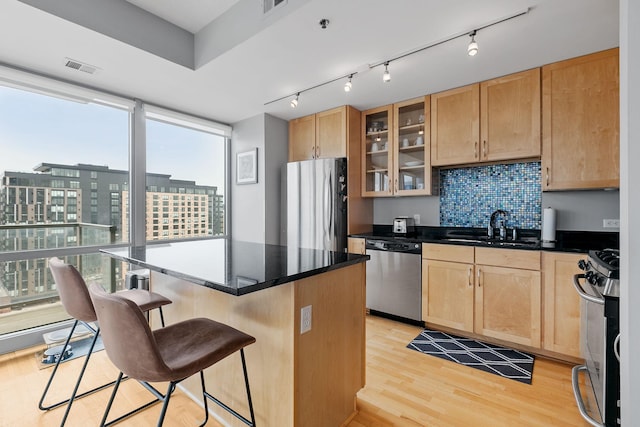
(404, 226)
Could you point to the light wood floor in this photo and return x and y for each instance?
(404, 388)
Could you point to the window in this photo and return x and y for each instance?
(79, 188)
(170, 149)
(64, 139)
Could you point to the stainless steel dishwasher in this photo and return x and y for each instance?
(394, 278)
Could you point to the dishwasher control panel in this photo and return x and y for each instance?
(393, 245)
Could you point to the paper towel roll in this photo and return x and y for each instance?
(548, 225)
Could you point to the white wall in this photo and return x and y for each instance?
(255, 208)
(630, 209)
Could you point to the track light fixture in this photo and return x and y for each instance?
(472, 49)
(347, 85)
(386, 77)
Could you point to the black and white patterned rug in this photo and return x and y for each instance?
(506, 362)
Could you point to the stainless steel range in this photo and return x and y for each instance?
(599, 287)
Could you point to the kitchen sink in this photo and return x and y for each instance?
(485, 241)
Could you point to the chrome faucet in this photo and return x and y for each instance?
(501, 224)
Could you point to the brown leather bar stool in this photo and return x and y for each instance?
(74, 296)
(172, 353)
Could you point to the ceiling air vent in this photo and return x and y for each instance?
(269, 5)
(80, 66)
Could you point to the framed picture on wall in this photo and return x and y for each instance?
(247, 167)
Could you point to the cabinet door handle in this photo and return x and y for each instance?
(470, 277)
(484, 149)
(547, 176)
(396, 185)
(313, 152)
(475, 150)
(479, 283)
(317, 151)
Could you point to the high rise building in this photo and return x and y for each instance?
(71, 205)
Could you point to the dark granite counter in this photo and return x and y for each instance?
(567, 241)
(234, 267)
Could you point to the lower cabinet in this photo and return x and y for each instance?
(561, 304)
(356, 245)
(508, 304)
(447, 294)
(467, 288)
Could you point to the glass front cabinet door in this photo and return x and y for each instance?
(411, 154)
(377, 152)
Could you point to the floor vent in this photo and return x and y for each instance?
(77, 65)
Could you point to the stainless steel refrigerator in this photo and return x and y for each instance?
(317, 204)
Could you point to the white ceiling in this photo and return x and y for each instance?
(191, 15)
(292, 53)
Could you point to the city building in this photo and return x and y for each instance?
(76, 205)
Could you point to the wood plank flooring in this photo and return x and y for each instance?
(404, 388)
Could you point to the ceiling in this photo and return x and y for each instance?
(234, 61)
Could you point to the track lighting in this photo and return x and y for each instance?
(472, 49)
(347, 85)
(386, 77)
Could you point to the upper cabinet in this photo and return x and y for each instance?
(396, 149)
(377, 149)
(302, 138)
(498, 119)
(455, 126)
(510, 116)
(319, 136)
(412, 148)
(580, 122)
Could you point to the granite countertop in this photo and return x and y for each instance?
(234, 267)
(567, 241)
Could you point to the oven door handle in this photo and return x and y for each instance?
(581, 291)
(576, 393)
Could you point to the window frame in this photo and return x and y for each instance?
(48, 86)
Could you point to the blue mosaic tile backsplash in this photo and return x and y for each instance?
(468, 196)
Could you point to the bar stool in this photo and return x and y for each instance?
(172, 353)
(74, 296)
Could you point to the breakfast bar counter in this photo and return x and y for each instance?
(297, 378)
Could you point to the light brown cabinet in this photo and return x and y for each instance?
(455, 126)
(580, 122)
(498, 119)
(377, 152)
(448, 285)
(561, 304)
(396, 150)
(321, 135)
(510, 116)
(356, 245)
(467, 288)
(412, 174)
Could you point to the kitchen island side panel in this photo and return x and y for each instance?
(268, 316)
(296, 379)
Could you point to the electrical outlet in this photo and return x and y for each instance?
(305, 319)
(611, 223)
(416, 219)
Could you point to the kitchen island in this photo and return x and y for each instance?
(297, 378)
